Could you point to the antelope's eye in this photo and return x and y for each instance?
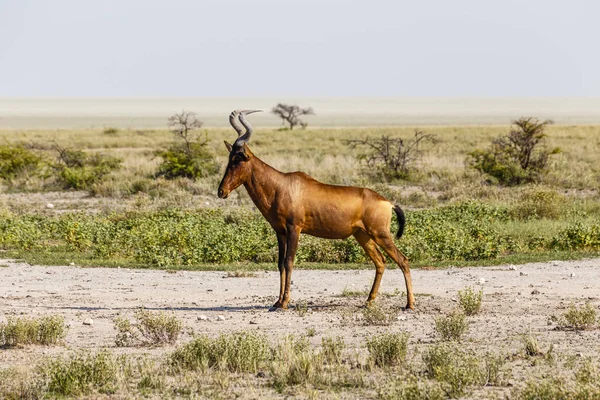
(238, 158)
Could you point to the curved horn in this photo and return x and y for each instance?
(246, 136)
(233, 120)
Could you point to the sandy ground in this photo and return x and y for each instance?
(516, 300)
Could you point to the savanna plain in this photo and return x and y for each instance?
(122, 275)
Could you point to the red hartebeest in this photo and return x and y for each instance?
(294, 203)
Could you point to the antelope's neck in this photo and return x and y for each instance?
(263, 184)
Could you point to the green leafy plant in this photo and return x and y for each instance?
(518, 157)
(470, 300)
(577, 319)
(387, 349)
(190, 159)
(47, 330)
(452, 327)
(18, 162)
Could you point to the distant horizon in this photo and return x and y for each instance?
(147, 112)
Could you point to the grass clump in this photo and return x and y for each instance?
(152, 328)
(452, 327)
(81, 373)
(454, 368)
(240, 274)
(295, 363)
(237, 352)
(413, 389)
(470, 300)
(531, 347)
(48, 330)
(577, 319)
(387, 349)
(18, 163)
(332, 349)
(543, 389)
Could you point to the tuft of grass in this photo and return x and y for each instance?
(577, 318)
(156, 328)
(374, 314)
(387, 349)
(543, 389)
(470, 300)
(237, 352)
(127, 334)
(531, 347)
(20, 384)
(48, 330)
(413, 389)
(301, 308)
(81, 373)
(240, 274)
(295, 363)
(452, 327)
(347, 292)
(332, 349)
(456, 369)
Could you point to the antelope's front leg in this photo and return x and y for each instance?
(281, 243)
(293, 236)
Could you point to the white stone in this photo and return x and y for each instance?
(49, 205)
(572, 275)
(523, 273)
(202, 318)
(401, 317)
(481, 281)
(88, 321)
(71, 263)
(221, 318)
(512, 268)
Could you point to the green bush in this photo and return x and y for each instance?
(387, 349)
(456, 369)
(193, 162)
(470, 300)
(46, 330)
(18, 162)
(452, 327)
(518, 157)
(539, 203)
(577, 318)
(81, 374)
(236, 352)
(78, 170)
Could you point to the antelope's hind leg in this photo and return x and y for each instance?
(374, 254)
(387, 243)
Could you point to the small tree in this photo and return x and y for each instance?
(395, 157)
(520, 156)
(291, 114)
(191, 159)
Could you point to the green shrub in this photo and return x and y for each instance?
(539, 203)
(18, 162)
(470, 300)
(110, 131)
(452, 327)
(456, 369)
(237, 352)
(543, 389)
(531, 347)
(518, 157)
(579, 236)
(158, 328)
(193, 162)
(46, 330)
(577, 318)
(387, 349)
(78, 170)
(81, 374)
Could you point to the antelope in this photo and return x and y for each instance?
(294, 203)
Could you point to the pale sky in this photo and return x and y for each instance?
(313, 48)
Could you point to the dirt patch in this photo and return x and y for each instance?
(516, 300)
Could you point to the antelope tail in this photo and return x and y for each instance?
(401, 221)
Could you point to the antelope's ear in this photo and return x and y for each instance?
(228, 145)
